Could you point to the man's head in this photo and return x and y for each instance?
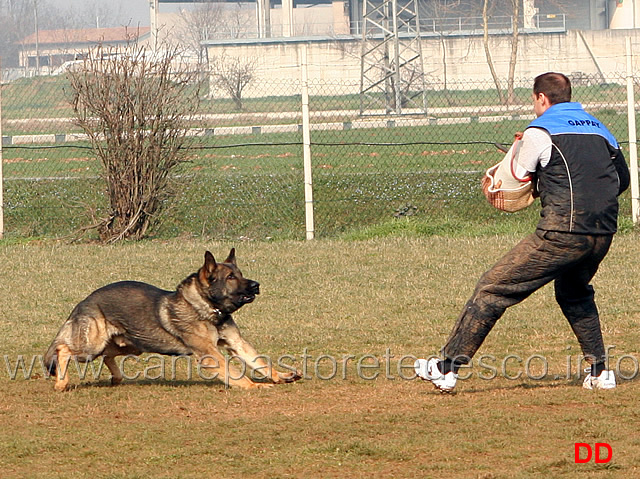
(549, 89)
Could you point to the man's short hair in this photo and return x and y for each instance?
(556, 86)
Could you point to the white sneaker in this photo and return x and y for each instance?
(606, 380)
(428, 371)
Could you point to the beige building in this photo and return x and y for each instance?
(453, 62)
(192, 24)
(47, 50)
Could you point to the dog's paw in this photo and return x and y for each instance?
(289, 377)
(262, 385)
(61, 387)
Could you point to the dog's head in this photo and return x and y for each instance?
(223, 283)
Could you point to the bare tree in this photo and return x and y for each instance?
(98, 14)
(487, 50)
(133, 107)
(17, 21)
(201, 23)
(515, 37)
(439, 11)
(209, 20)
(410, 83)
(232, 75)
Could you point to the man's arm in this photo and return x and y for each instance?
(536, 149)
(623, 170)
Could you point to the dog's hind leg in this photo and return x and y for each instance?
(116, 374)
(118, 346)
(62, 365)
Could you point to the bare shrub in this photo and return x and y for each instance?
(232, 75)
(133, 106)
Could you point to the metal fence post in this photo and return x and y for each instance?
(1, 161)
(633, 149)
(306, 147)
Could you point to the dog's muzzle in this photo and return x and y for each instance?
(253, 288)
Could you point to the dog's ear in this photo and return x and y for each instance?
(232, 257)
(208, 268)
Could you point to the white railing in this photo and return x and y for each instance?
(428, 26)
(474, 25)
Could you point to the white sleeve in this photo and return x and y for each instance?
(535, 149)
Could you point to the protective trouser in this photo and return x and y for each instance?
(571, 260)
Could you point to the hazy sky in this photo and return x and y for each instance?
(133, 12)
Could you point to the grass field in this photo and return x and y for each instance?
(374, 301)
(253, 185)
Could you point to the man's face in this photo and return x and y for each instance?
(540, 103)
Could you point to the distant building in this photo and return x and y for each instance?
(47, 50)
(295, 18)
(250, 18)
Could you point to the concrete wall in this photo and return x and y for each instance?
(338, 59)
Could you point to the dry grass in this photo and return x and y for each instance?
(333, 298)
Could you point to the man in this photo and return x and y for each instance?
(580, 171)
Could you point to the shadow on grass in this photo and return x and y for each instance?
(551, 382)
(177, 383)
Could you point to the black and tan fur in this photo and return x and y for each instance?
(130, 317)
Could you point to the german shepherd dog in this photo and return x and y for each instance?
(130, 318)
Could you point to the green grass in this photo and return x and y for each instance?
(251, 186)
(41, 97)
(257, 192)
(320, 298)
(48, 98)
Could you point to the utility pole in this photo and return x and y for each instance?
(35, 15)
(1, 160)
(153, 22)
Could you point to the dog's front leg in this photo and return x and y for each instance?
(231, 339)
(202, 341)
(62, 366)
(223, 370)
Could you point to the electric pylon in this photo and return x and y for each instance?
(391, 67)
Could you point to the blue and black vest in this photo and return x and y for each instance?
(579, 186)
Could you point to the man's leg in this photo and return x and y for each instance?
(575, 296)
(528, 266)
(535, 261)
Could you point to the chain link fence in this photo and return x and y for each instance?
(245, 177)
